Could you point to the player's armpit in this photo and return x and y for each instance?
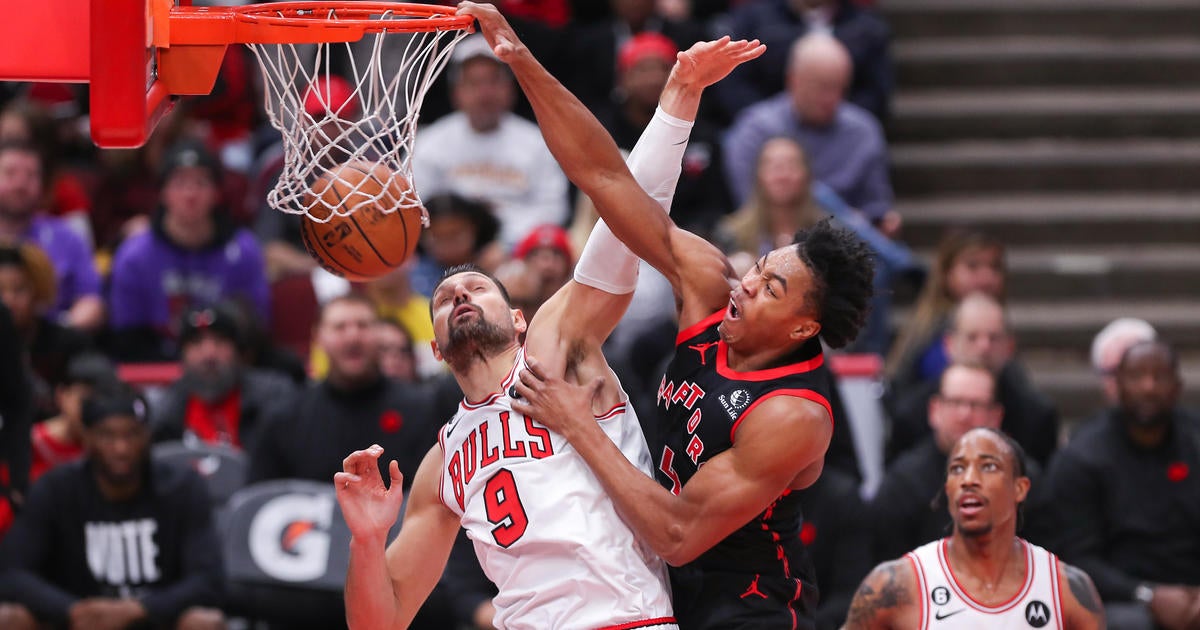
(775, 441)
(884, 599)
(1082, 608)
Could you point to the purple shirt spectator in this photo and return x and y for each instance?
(74, 268)
(154, 281)
(849, 155)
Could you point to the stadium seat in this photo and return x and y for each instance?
(222, 467)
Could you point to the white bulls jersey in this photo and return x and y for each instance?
(945, 606)
(543, 528)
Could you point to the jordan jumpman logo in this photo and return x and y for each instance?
(753, 590)
(702, 348)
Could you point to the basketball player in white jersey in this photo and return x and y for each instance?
(545, 531)
(983, 577)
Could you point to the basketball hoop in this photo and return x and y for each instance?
(369, 117)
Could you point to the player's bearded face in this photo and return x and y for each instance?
(471, 335)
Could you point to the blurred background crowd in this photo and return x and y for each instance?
(1024, 173)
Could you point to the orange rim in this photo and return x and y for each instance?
(424, 17)
(303, 22)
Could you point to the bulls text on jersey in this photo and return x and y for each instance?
(494, 440)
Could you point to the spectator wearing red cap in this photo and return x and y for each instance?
(593, 50)
(541, 265)
(643, 65)
(329, 97)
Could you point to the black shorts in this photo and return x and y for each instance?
(731, 601)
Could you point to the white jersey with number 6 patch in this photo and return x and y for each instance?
(543, 528)
(946, 606)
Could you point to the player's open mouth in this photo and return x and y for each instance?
(462, 309)
(734, 312)
(970, 504)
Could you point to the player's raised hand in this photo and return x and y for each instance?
(705, 63)
(495, 28)
(558, 405)
(369, 508)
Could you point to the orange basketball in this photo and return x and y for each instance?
(368, 242)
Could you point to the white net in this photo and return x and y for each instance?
(367, 119)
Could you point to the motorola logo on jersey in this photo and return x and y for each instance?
(1037, 614)
(289, 537)
(940, 595)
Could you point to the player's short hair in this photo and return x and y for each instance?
(469, 268)
(1166, 348)
(1017, 452)
(1020, 468)
(843, 271)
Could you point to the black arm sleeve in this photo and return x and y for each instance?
(1080, 525)
(25, 552)
(200, 584)
(464, 582)
(16, 405)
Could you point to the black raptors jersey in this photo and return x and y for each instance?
(760, 573)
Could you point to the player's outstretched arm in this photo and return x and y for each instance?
(885, 599)
(386, 585)
(589, 157)
(1082, 608)
(779, 444)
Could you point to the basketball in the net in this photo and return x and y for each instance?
(372, 239)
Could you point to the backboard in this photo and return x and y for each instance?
(139, 55)
(108, 43)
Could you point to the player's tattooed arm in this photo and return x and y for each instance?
(882, 598)
(1083, 609)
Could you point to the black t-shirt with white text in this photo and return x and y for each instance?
(70, 542)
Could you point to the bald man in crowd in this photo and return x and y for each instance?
(1110, 344)
(979, 334)
(845, 144)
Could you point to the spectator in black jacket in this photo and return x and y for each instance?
(115, 540)
(1127, 493)
(217, 399)
(979, 335)
(902, 509)
(308, 435)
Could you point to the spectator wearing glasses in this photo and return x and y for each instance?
(903, 507)
(979, 334)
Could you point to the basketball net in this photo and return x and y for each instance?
(375, 124)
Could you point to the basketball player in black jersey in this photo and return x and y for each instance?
(745, 414)
(982, 559)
